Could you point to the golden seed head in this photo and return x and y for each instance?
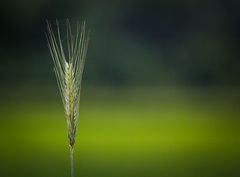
(69, 70)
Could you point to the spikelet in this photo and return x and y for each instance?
(68, 66)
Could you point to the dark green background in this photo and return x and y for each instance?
(160, 94)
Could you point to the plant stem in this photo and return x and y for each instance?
(71, 161)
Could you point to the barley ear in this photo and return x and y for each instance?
(69, 59)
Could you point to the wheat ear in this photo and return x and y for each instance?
(68, 67)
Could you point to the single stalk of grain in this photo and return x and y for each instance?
(68, 70)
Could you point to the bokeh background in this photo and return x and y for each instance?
(160, 94)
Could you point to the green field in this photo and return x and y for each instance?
(123, 133)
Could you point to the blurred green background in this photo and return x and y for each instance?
(160, 94)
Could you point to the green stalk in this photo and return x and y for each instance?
(72, 160)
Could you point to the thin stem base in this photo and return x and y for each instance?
(72, 161)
